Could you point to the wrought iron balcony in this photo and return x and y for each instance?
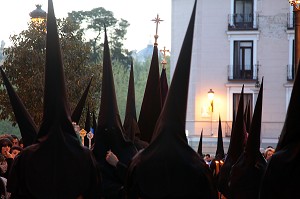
(290, 72)
(241, 21)
(236, 73)
(290, 21)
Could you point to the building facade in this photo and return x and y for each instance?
(236, 43)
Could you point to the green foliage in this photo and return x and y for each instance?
(24, 66)
(93, 22)
(6, 127)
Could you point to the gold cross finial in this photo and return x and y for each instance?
(157, 20)
(164, 61)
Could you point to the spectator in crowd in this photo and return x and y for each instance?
(268, 153)
(21, 143)
(207, 159)
(15, 140)
(6, 161)
(15, 150)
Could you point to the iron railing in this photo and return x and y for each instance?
(241, 21)
(236, 73)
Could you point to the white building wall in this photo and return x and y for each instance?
(212, 53)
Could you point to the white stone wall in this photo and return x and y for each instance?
(212, 55)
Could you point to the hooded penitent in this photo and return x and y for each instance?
(25, 122)
(199, 151)
(57, 166)
(247, 172)
(131, 128)
(281, 179)
(218, 161)
(236, 147)
(87, 126)
(220, 155)
(248, 117)
(110, 132)
(151, 105)
(169, 167)
(163, 85)
(79, 107)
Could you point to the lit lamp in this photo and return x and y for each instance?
(211, 95)
(296, 5)
(38, 15)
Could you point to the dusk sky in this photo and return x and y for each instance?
(14, 17)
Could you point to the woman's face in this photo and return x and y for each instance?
(3, 166)
(5, 149)
(14, 153)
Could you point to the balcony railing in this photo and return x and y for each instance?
(290, 21)
(236, 73)
(243, 21)
(290, 72)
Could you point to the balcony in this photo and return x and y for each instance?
(242, 21)
(290, 72)
(290, 21)
(236, 73)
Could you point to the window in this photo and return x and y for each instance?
(248, 99)
(243, 60)
(243, 13)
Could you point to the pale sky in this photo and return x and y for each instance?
(14, 16)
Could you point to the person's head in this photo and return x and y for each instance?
(268, 153)
(21, 143)
(3, 164)
(15, 140)
(5, 145)
(15, 150)
(207, 157)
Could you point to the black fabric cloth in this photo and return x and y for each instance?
(151, 104)
(236, 148)
(169, 167)
(281, 179)
(163, 85)
(110, 132)
(56, 166)
(27, 126)
(246, 174)
(174, 171)
(62, 172)
(76, 115)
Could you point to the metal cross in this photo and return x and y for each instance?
(157, 20)
(164, 61)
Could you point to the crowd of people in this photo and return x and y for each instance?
(60, 167)
(10, 146)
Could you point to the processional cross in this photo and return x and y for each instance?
(157, 20)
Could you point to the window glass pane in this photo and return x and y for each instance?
(246, 44)
(247, 59)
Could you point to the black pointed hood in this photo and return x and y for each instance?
(282, 176)
(220, 155)
(79, 107)
(131, 128)
(163, 85)
(247, 172)
(156, 172)
(235, 149)
(25, 122)
(199, 151)
(109, 134)
(50, 162)
(130, 114)
(151, 105)
(94, 122)
(56, 108)
(248, 117)
(87, 125)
